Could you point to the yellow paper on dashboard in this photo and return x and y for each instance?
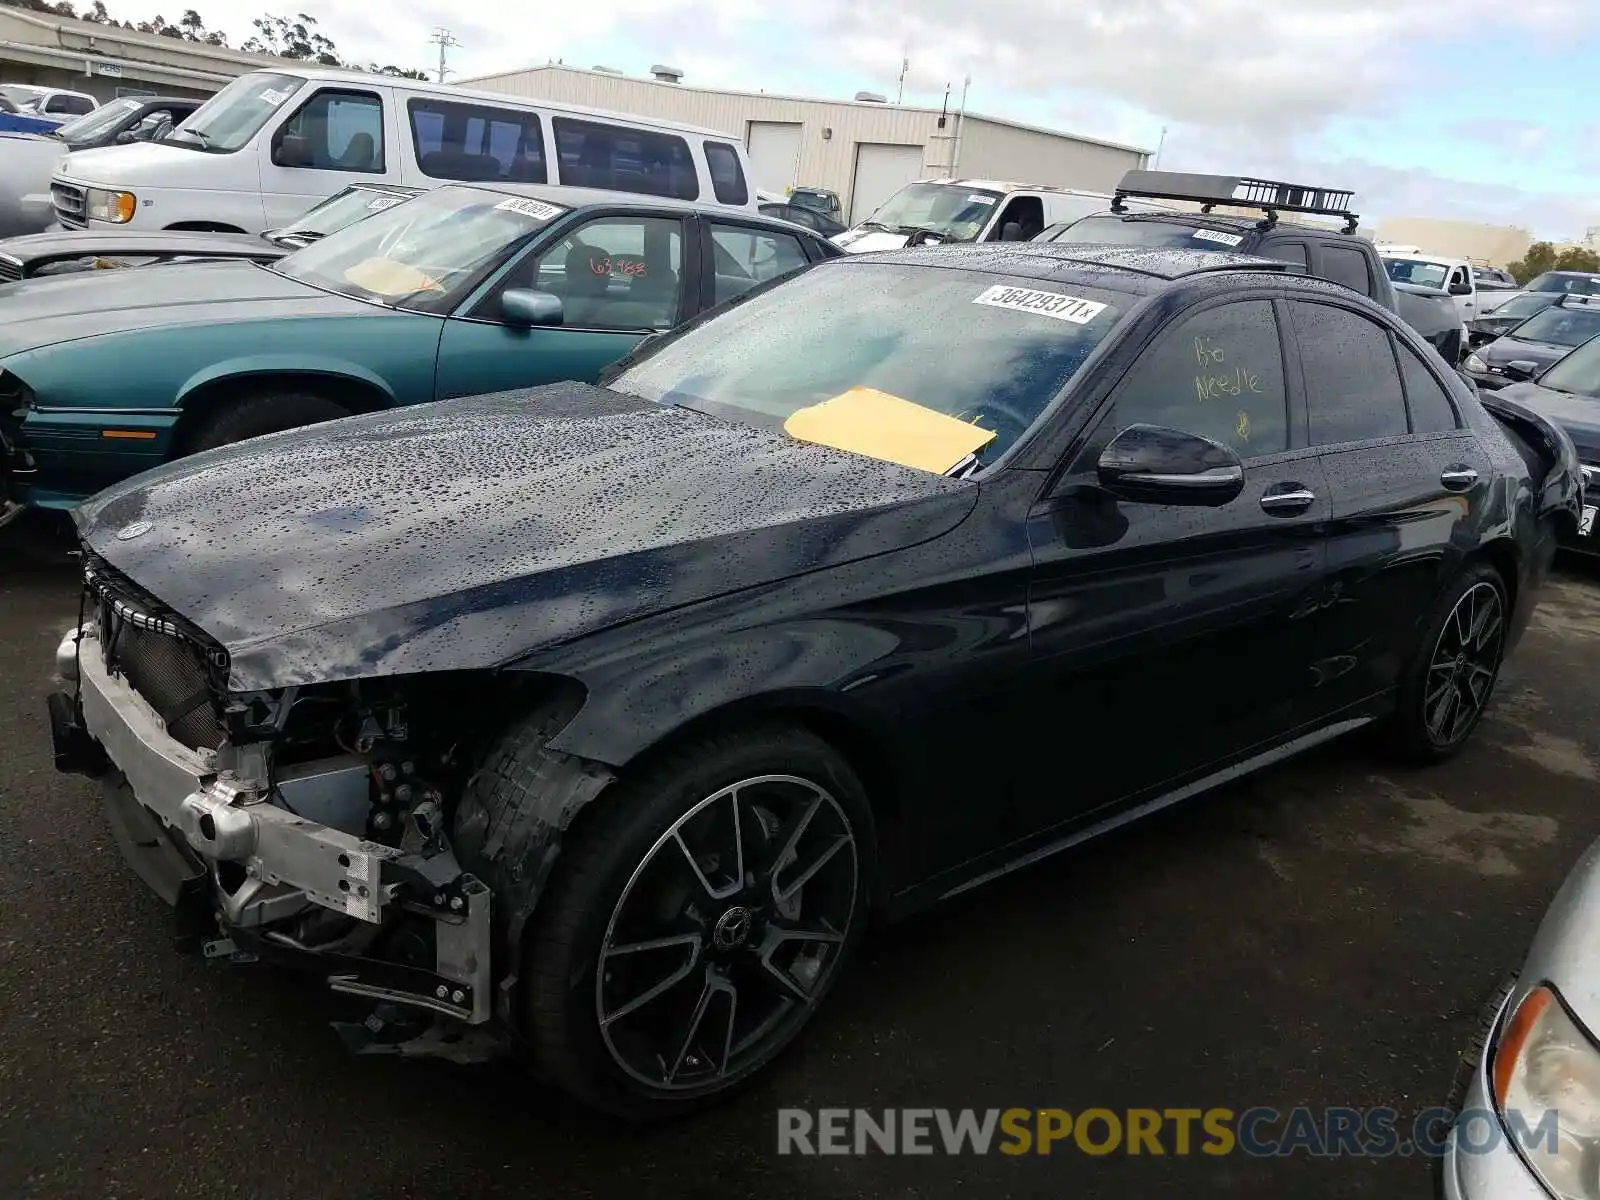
(877, 424)
(385, 277)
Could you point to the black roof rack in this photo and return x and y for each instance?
(1269, 195)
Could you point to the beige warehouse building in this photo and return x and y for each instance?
(865, 150)
(1495, 245)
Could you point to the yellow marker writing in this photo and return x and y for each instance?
(1243, 427)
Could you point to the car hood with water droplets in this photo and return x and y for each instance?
(469, 533)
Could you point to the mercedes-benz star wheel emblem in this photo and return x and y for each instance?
(138, 529)
(732, 929)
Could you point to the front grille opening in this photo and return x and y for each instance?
(177, 671)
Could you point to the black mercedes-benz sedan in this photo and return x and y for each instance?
(1535, 344)
(596, 721)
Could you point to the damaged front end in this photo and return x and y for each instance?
(303, 825)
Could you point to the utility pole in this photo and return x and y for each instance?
(1161, 145)
(445, 39)
(905, 65)
(961, 120)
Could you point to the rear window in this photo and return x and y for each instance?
(476, 143)
(727, 176)
(625, 159)
(1347, 266)
(1111, 230)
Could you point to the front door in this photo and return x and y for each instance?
(619, 279)
(333, 138)
(1172, 639)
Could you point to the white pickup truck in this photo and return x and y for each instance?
(1406, 264)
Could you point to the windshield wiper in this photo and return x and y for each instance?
(877, 225)
(304, 235)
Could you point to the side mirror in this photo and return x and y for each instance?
(1167, 466)
(1011, 231)
(525, 307)
(1461, 289)
(1520, 370)
(127, 137)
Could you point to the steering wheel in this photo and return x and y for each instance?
(1007, 422)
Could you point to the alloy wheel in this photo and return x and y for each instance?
(1465, 661)
(727, 933)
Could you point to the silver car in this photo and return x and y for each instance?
(1529, 1123)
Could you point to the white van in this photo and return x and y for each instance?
(971, 210)
(273, 143)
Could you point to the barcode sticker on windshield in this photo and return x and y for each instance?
(1046, 304)
(379, 203)
(537, 209)
(980, 199)
(273, 96)
(1217, 236)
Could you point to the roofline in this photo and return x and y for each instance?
(132, 37)
(916, 108)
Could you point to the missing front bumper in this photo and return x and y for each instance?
(197, 835)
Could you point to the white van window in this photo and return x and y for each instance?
(333, 131)
(625, 159)
(476, 142)
(228, 120)
(727, 176)
(75, 106)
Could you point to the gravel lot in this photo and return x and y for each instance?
(1322, 934)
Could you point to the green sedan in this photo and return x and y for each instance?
(463, 290)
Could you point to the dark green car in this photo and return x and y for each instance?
(464, 289)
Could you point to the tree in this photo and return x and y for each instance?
(397, 72)
(298, 38)
(1541, 257)
(1577, 258)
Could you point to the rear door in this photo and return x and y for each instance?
(1403, 473)
(620, 277)
(1171, 639)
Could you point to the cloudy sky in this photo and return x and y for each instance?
(1469, 108)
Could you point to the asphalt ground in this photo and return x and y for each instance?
(1322, 934)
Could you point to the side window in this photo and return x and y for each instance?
(614, 273)
(475, 143)
(1431, 410)
(1352, 383)
(74, 106)
(1218, 373)
(746, 257)
(1348, 266)
(625, 159)
(727, 176)
(1457, 276)
(333, 131)
(1289, 252)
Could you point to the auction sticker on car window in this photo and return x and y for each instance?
(379, 203)
(1046, 304)
(273, 96)
(980, 199)
(1217, 236)
(537, 209)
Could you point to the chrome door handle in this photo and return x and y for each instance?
(1294, 498)
(1458, 478)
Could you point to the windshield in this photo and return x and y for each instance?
(887, 347)
(98, 123)
(957, 214)
(1573, 285)
(1520, 307)
(231, 118)
(344, 208)
(1578, 373)
(1109, 229)
(822, 202)
(1414, 270)
(424, 253)
(1561, 326)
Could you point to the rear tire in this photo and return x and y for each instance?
(1450, 680)
(753, 931)
(261, 413)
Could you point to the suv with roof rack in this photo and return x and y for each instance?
(1333, 254)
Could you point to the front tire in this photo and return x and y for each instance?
(261, 413)
(1452, 676)
(697, 921)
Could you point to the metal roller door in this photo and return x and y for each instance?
(774, 148)
(881, 171)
